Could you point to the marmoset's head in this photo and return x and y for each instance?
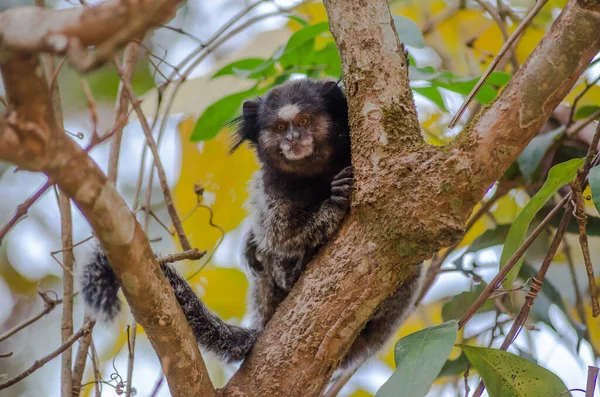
(297, 127)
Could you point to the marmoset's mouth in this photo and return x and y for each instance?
(296, 150)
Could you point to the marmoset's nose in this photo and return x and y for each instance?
(292, 135)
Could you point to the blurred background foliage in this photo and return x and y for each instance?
(450, 44)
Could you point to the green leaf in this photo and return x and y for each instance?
(594, 179)
(408, 31)
(508, 375)
(302, 55)
(485, 95)
(305, 34)
(432, 94)
(532, 155)
(457, 305)
(585, 111)
(419, 358)
(499, 79)
(329, 57)
(247, 64)
(295, 18)
(454, 367)
(559, 175)
(214, 117)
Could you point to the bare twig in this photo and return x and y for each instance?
(591, 381)
(91, 104)
(534, 289)
(507, 45)
(578, 300)
(49, 305)
(130, 357)
(578, 97)
(157, 387)
(67, 315)
(581, 218)
(192, 254)
(122, 106)
(159, 168)
(22, 210)
(495, 14)
(577, 126)
(80, 358)
(84, 330)
(183, 32)
(493, 285)
(5, 355)
(432, 22)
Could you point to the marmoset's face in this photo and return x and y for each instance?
(295, 130)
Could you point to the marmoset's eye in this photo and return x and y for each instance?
(304, 121)
(280, 127)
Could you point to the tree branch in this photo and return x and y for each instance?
(42, 146)
(109, 26)
(504, 129)
(412, 199)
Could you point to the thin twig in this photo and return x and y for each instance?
(432, 22)
(80, 358)
(162, 177)
(534, 289)
(578, 300)
(95, 368)
(157, 387)
(193, 254)
(49, 305)
(121, 109)
(67, 314)
(581, 218)
(185, 33)
(507, 45)
(91, 104)
(6, 355)
(578, 97)
(84, 330)
(502, 26)
(22, 210)
(577, 126)
(130, 357)
(591, 381)
(493, 285)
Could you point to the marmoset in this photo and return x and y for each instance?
(298, 200)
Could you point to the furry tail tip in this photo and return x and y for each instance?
(99, 287)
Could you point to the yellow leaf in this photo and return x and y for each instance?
(224, 178)
(225, 290)
(314, 11)
(594, 325)
(481, 225)
(361, 393)
(506, 209)
(591, 97)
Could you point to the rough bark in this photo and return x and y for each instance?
(412, 198)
